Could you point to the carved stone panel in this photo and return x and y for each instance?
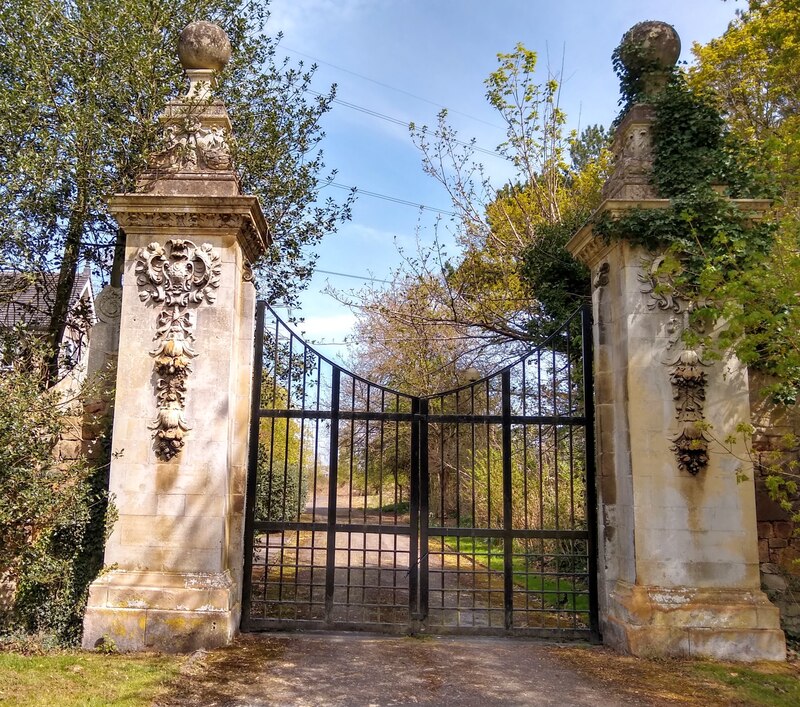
(194, 147)
(689, 392)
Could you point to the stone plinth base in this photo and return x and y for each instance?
(163, 611)
(711, 623)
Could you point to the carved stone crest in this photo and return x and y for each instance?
(177, 275)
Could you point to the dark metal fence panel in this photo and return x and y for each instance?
(329, 539)
(470, 511)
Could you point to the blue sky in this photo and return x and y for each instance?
(407, 59)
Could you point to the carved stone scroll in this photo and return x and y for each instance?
(660, 288)
(177, 275)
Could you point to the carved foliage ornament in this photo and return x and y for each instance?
(177, 275)
(660, 288)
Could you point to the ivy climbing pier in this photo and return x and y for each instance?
(678, 558)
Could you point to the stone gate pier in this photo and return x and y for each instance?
(179, 470)
(678, 555)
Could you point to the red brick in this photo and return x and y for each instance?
(765, 530)
(783, 529)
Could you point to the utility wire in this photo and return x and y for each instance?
(354, 277)
(393, 199)
(392, 88)
(403, 123)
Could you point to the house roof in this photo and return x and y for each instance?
(27, 298)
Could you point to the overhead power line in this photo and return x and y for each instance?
(403, 123)
(393, 199)
(354, 277)
(392, 88)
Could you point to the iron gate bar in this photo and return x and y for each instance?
(423, 565)
(587, 341)
(333, 484)
(346, 415)
(414, 590)
(517, 533)
(297, 414)
(383, 528)
(252, 463)
(560, 420)
(508, 538)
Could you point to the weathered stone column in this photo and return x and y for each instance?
(178, 476)
(679, 571)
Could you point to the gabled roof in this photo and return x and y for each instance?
(28, 298)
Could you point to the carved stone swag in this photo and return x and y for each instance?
(178, 276)
(686, 375)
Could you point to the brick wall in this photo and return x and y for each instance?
(777, 541)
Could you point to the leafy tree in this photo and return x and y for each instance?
(753, 70)
(82, 83)
(753, 74)
(52, 512)
(445, 313)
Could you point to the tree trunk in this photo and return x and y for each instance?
(119, 259)
(66, 281)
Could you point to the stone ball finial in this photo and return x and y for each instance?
(204, 45)
(653, 44)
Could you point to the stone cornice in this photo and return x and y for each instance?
(197, 216)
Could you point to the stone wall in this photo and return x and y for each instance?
(778, 539)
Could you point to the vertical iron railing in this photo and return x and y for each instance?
(587, 341)
(252, 462)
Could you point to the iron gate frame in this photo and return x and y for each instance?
(419, 529)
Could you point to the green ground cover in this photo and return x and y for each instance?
(555, 591)
(72, 678)
(758, 686)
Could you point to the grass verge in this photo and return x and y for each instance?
(87, 679)
(777, 686)
(688, 682)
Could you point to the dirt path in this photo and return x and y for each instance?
(353, 670)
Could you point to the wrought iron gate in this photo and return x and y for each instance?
(472, 511)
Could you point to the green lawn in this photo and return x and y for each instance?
(758, 686)
(72, 678)
(556, 592)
